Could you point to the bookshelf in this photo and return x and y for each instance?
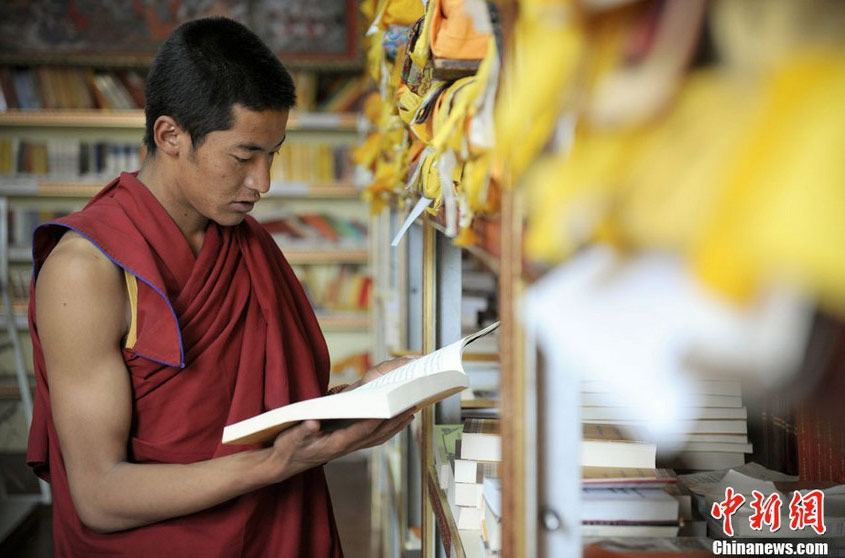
(420, 288)
(421, 301)
(558, 201)
(134, 119)
(43, 196)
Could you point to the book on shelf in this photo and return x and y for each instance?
(312, 162)
(481, 400)
(618, 477)
(26, 89)
(471, 471)
(597, 399)
(468, 494)
(67, 159)
(703, 460)
(306, 90)
(603, 529)
(491, 524)
(415, 385)
(628, 504)
(336, 287)
(718, 447)
(701, 426)
(7, 84)
(481, 440)
(704, 386)
(347, 95)
(62, 88)
(604, 445)
(591, 414)
(134, 83)
(315, 230)
(446, 437)
(704, 451)
(702, 438)
(467, 518)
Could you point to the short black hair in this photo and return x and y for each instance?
(203, 69)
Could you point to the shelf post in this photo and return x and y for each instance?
(427, 416)
(514, 448)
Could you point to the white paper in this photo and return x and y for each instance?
(412, 216)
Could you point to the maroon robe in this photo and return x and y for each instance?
(220, 337)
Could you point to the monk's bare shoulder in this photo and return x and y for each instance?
(78, 284)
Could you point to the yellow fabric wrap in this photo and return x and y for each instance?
(548, 46)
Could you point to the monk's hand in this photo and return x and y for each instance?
(305, 446)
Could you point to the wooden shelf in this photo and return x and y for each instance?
(450, 536)
(344, 322)
(338, 190)
(73, 118)
(23, 254)
(329, 255)
(134, 119)
(331, 322)
(75, 189)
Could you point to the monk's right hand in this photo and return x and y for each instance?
(305, 446)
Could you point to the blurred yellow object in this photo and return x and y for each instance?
(372, 107)
(455, 32)
(367, 152)
(401, 12)
(548, 46)
(781, 213)
(677, 164)
(375, 55)
(368, 9)
(421, 51)
(407, 103)
(569, 197)
(745, 180)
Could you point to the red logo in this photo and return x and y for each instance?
(726, 508)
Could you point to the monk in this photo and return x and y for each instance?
(163, 312)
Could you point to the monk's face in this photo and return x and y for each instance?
(224, 177)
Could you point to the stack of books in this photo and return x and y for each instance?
(628, 502)
(335, 288)
(482, 398)
(312, 163)
(478, 455)
(623, 493)
(316, 231)
(467, 460)
(68, 159)
(60, 88)
(717, 438)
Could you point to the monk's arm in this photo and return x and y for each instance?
(81, 306)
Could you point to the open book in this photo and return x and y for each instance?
(420, 383)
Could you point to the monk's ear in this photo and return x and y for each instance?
(169, 137)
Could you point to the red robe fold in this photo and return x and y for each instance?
(221, 337)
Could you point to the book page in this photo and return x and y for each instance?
(419, 383)
(447, 358)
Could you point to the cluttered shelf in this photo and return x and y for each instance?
(340, 321)
(486, 232)
(101, 118)
(328, 255)
(74, 189)
(451, 537)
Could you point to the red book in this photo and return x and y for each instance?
(321, 225)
